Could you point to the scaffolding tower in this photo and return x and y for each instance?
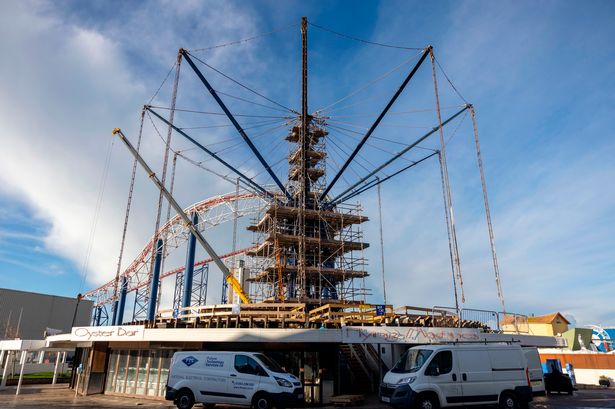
(308, 252)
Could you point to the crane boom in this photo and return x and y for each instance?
(230, 278)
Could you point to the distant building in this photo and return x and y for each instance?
(603, 338)
(579, 339)
(29, 315)
(550, 324)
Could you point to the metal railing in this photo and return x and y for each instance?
(494, 321)
(486, 318)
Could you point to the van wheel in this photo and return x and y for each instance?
(509, 401)
(184, 399)
(426, 402)
(262, 401)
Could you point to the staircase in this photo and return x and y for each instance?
(361, 363)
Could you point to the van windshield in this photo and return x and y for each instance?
(412, 360)
(270, 363)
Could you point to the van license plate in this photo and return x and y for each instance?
(386, 399)
(536, 383)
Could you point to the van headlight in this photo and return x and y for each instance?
(283, 382)
(409, 379)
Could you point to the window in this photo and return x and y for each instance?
(247, 365)
(270, 364)
(411, 361)
(443, 361)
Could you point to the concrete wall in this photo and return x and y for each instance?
(592, 376)
(38, 312)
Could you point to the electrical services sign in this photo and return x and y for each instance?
(407, 335)
(110, 333)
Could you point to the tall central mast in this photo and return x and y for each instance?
(309, 252)
(305, 185)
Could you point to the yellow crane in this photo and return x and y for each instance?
(230, 278)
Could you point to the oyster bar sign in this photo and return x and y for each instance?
(111, 333)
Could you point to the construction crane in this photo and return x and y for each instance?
(230, 278)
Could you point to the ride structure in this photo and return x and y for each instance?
(307, 266)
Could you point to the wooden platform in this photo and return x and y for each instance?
(270, 273)
(306, 314)
(336, 246)
(339, 219)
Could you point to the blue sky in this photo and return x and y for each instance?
(539, 75)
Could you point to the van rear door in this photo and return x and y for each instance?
(535, 370)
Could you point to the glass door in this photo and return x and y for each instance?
(311, 378)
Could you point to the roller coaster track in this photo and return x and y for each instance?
(212, 212)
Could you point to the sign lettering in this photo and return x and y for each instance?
(111, 333)
(407, 335)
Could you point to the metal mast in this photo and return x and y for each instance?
(305, 184)
(304, 187)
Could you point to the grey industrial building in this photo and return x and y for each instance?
(28, 315)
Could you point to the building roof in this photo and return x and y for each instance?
(547, 319)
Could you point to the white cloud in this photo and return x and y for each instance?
(66, 88)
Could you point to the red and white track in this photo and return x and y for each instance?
(212, 212)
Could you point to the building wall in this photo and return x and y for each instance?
(541, 329)
(587, 367)
(559, 327)
(38, 312)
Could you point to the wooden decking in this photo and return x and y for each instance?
(270, 273)
(307, 315)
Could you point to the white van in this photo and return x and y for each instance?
(432, 376)
(234, 378)
(535, 370)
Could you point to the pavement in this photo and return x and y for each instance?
(59, 396)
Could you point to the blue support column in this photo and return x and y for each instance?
(189, 272)
(153, 289)
(98, 315)
(119, 318)
(95, 316)
(114, 309)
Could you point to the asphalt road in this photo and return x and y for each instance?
(59, 396)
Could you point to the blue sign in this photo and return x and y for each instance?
(190, 360)
(380, 310)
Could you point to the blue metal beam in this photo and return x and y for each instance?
(153, 289)
(399, 154)
(376, 182)
(189, 272)
(238, 127)
(119, 318)
(212, 154)
(114, 307)
(376, 123)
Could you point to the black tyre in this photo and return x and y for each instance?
(570, 392)
(427, 402)
(184, 399)
(509, 400)
(262, 401)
